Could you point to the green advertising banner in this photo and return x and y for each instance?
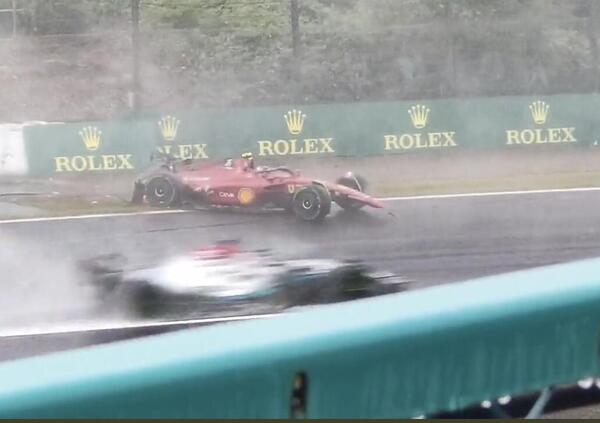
(357, 129)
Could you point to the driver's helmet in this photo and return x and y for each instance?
(249, 159)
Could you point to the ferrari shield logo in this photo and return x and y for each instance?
(291, 189)
(246, 196)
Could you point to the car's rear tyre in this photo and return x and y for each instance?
(355, 182)
(161, 191)
(311, 203)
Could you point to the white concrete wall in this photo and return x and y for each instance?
(13, 160)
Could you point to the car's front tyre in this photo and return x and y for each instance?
(311, 203)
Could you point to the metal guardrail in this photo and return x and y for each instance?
(417, 353)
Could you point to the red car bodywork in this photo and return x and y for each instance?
(236, 183)
(240, 185)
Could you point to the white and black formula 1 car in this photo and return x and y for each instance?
(224, 275)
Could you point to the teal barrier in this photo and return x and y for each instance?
(352, 129)
(403, 355)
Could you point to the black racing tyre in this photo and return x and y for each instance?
(355, 284)
(162, 191)
(311, 203)
(144, 301)
(355, 182)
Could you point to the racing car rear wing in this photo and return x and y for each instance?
(418, 353)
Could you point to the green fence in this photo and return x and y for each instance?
(356, 129)
(402, 355)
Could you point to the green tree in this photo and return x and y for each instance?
(257, 16)
(73, 16)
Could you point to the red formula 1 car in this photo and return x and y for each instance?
(238, 183)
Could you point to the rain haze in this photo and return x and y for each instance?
(166, 164)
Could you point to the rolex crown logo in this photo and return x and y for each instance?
(168, 127)
(539, 111)
(418, 115)
(91, 137)
(295, 121)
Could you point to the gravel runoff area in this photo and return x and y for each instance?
(446, 172)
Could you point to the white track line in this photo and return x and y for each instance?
(386, 199)
(90, 216)
(126, 325)
(489, 194)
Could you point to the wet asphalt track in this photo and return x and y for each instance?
(430, 241)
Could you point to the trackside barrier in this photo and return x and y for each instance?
(404, 355)
(558, 122)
